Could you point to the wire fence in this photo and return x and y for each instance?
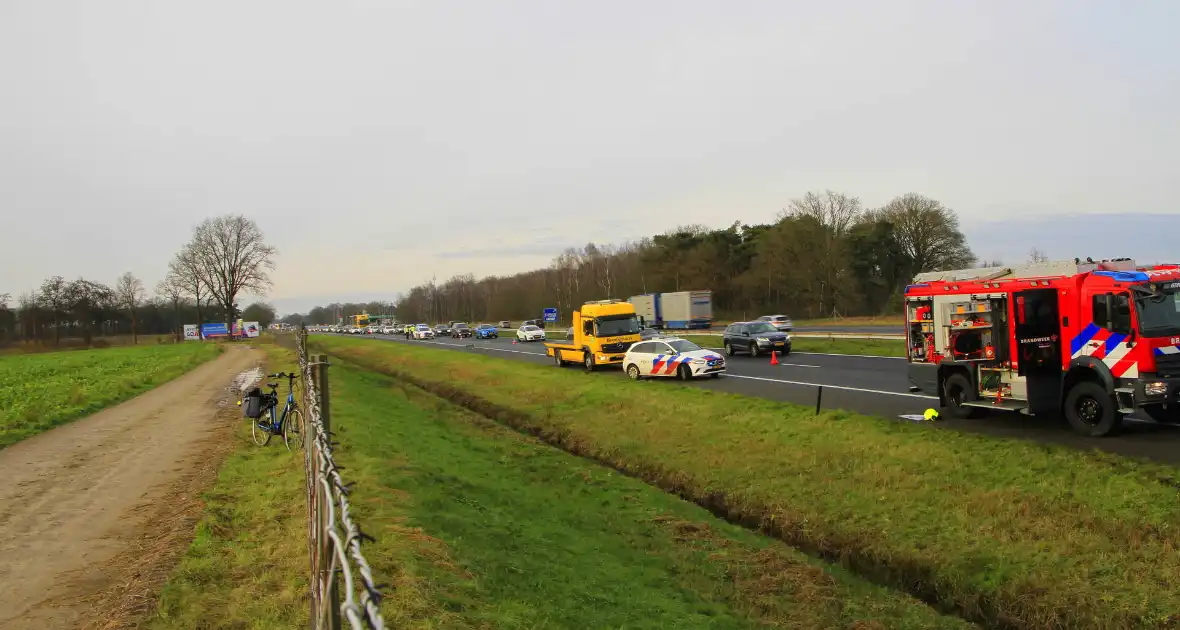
(342, 587)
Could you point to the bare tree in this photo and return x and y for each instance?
(834, 213)
(173, 290)
(129, 295)
(185, 271)
(54, 296)
(233, 257)
(929, 233)
(87, 302)
(1035, 255)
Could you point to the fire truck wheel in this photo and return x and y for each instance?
(588, 360)
(958, 390)
(1091, 410)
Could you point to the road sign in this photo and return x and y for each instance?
(550, 315)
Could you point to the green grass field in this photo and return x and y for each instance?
(478, 526)
(41, 391)
(1007, 533)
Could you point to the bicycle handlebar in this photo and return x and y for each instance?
(283, 375)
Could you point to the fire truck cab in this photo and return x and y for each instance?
(1093, 341)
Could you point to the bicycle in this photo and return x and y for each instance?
(289, 424)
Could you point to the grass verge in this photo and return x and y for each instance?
(41, 391)
(866, 347)
(247, 565)
(1008, 533)
(480, 527)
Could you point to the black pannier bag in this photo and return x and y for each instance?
(252, 403)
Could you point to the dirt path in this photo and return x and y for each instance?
(78, 503)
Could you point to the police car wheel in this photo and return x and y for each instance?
(633, 372)
(1091, 410)
(684, 372)
(715, 375)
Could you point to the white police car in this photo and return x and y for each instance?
(670, 356)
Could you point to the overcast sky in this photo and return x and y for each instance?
(378, 143)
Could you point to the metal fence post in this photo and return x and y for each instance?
(327, 548)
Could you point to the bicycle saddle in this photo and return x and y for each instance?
(272, 385)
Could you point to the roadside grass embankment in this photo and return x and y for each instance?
(44, 390)
(247, 565)
(1007, 533)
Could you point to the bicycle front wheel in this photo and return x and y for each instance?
(261, 435)
(293, 430)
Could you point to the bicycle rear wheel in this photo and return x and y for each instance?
(293, 430)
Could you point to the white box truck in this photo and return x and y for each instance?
(678, 310)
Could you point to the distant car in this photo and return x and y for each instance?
(486, 331)
(533, 322)
(388, 330)
(529, 332)
(505, 324)
(755, 338)
(422, 331)
(673, 357)
(646, 333)
(782, 323)
(442, 330)
(372, 330)
(460, 330)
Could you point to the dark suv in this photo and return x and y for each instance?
(460, 330)
(755, 338)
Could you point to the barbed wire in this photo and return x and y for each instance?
(334, 539)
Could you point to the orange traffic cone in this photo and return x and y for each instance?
(774, 357)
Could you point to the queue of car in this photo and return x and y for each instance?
(654, 356)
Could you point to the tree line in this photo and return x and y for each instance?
(226, 257)
(825, 255)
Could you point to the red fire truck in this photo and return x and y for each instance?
(1094, 341)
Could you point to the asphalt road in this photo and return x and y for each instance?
(869, 385)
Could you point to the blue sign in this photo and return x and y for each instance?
(550, 315)
(214, 330)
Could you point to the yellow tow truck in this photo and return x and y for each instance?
(603, 332)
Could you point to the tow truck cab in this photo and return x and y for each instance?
(603, 331)
(1094, 341)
